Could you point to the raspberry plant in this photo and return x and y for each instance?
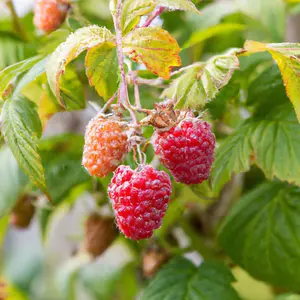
(185, 183)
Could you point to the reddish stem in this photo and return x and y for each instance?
(108, 103)
(159, 10)
(123, 92)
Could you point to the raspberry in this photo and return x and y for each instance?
(187, 150)
(106, 144)
(140, 199)
(50, 14)
(100, 232)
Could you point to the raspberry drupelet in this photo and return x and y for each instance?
(140, 199)
(187, 150)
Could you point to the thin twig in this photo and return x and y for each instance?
(159, 10)
(16, 21)
(123, 91)
(136, 92)
(109, 103)
(137, 96)
(157, 82)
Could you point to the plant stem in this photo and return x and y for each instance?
(137, 94)
(158, 82)
(16, 21)
(108, 103)
(123, 91)
(151, 17)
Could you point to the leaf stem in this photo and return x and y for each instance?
(159, 10)
(123, 91)
(16, 21)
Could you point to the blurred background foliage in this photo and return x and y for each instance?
(44, 261)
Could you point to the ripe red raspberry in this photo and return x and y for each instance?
(50, 14)
(140, 199)
(106, 144)
(187, 150)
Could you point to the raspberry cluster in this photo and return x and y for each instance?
(50, 14)
(185, 146)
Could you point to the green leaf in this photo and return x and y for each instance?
(288, 297)
(267, 89)
(233, 156)
(180, 279)
(289, 65)
(218, 107)
(10, 74)
(101, 278)
(67, 276)
(4, 226)
(155, 48)
(21, 128)
(132, 11)
(78, 42)
(201, 82)
(186, 5)
(71, 90)
(13, 181)
(102, 69)
(31, 75)
(260, 232)
(51, 41)
(205, 34)
(12, 49)
(211, 14)
(272, 143)
(39, 92)
(63, 170)
(266, 12)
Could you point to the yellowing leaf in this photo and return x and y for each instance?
(288, 63)
(39, 93)
(201, 82)
(155, 48)
(132, 11)
(102, 69)
(83, 39)
(186, 5)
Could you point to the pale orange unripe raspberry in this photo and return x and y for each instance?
(50, 14)
(106, 144)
